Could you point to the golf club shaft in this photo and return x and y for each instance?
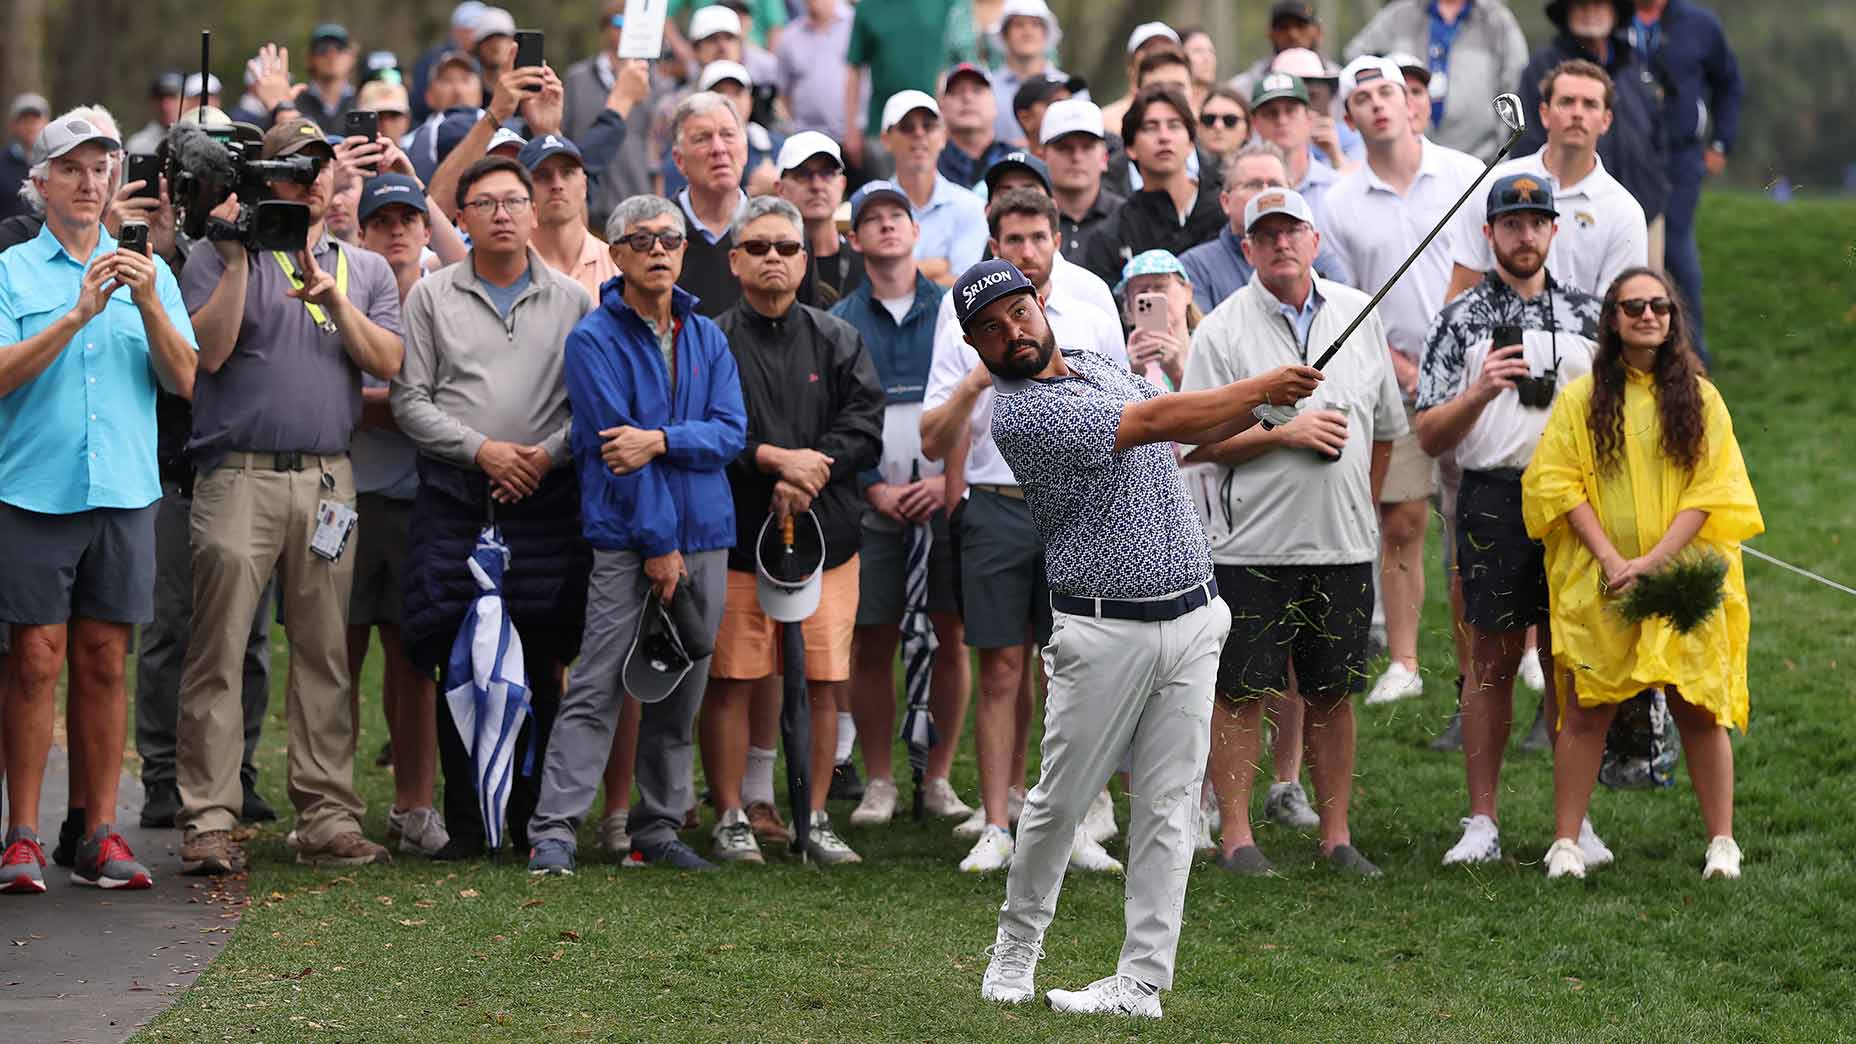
(1328, 355)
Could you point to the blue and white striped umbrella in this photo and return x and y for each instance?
(918, 646)
(486, 685)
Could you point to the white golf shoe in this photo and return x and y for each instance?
(1530, 673)
(1481, 843)
(1565, 860)
(1115, 995)
(1099, 821)
(1009, 974)
(1399, 682)
(993, 851)
(940, 801)
(878, 804)
(1591, 846)
(1086, 853)
(1723, 859)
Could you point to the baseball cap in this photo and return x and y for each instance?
(1147, 31)
(333, 32)
(464, 15)
(191, 89)
(1296, 10)
(789, 593)
(1040, 87)
(24, 103)
(1301, 61)
(658, 660)
(985, 283)
(457, 58)
(1032, 9)
(289, 137)
(66, 133)
(453, 128)
(1409, 63)
(805, 145)
(1278, 85)
(1276, 201)
(493, 21)
(878, 192)
(389, 189)
(1017, 161)
(716, 72)
(538, 151)
(901, 103)
(1151, 262)
(167, 85)
(1071, 116)
(966, 69)
(381, 96)
(707, 21)
(1521, 192)
(1367, 70)
(505, 138)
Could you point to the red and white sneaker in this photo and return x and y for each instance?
(104, 861)
(22, 868)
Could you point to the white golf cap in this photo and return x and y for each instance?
(1300, 61)
(1147, 31)
(66, 133)
(492, 21)
(707, 21)
(1410, 64)
(784, 598)
(1367, 70)
(902, 103)
(464, 15)
(191, 89)
(505, 136)
(716, 72)
(1071, 116)
(1277, 201)
(1032, 9)
(805, 145)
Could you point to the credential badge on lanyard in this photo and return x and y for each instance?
(316, 312)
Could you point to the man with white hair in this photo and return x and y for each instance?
(83, 535)
(710, 148)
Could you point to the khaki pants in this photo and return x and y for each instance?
(1657, 231)
(251, 522)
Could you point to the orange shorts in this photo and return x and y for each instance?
(748, 645)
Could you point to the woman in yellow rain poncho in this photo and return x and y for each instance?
(1639, 461)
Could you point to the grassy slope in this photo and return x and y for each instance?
(891, 950)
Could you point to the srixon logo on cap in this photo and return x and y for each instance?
(990, 279)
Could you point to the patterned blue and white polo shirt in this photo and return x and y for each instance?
(1114, 524)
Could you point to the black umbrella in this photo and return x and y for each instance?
(918, 646)
(786, 580)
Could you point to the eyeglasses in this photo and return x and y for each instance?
(1213, 119)
(514, 206)
(1634, 306)
(820, 174)
(759, 247)
(1257, 184)
(1271, 235)
(641, 241)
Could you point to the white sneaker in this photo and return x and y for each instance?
(733, 839)
(941, 801)
(612, 835)
(1723, 859)
(1530, 674)
(1099, 821)
(1481, 843)
(993, 851)
(1115, 995)
(972, 826)
(1203, 841)
(1008, 978)
(1288, 805)
(1593, 849)
(878, 805)
(823, 845)
(1399, 682)
(1565, 860)
(1088, 854)
(420, 830)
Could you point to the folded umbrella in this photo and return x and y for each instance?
(486, 685)
(789, 581)
(918, 646)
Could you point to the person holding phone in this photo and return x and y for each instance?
(1493, 361)
(1156, 303)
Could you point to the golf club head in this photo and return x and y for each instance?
(1508, 110)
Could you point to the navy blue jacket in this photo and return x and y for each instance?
(616, 376)
(902, 353)
(1635, 150)
(1699, 77)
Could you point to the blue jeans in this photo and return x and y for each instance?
(1681, 255)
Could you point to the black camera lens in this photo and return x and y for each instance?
(1536, 393)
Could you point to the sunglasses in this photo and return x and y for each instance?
(759, 247)
(1634, 306)
(1213, 119)
(641, 241)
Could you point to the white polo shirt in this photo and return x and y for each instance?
(1601, 227)
(1373, 229)
(1075, 323)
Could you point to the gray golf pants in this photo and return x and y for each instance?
(589, 714)
(1119, 686)
(161, 649)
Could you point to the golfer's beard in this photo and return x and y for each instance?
(1011, 368)
(1520, 270)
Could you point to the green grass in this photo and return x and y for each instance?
(891, 950)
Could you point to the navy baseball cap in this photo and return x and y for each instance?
(456, 123)
(985, 283)
(1020, 160)
(538, 151)
(878, 192)
(385, 190)
(1519, 192)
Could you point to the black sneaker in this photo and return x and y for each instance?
(1452, 737)
(1539, 739)
(673, 854)
(160, 804)
(69, 835)
(254, 809)
(846, 784)
(384, 759)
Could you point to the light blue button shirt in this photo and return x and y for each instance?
(81, 434)
(1303, 318)
(953, 226)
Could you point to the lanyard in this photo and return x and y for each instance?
(321, 318)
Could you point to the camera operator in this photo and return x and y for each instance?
(285, 337)
(1492, 362)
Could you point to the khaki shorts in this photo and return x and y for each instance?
(1412, 473)
(748, 646)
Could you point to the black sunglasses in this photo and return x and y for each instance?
(641, 241)
(759, 247)
(1634, 306)
(1229, 119)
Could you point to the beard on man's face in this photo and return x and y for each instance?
(1521, 262)
(1024, 358)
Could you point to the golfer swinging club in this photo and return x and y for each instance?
(1137, 628)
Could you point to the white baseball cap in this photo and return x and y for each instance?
(1032, 9)
(1367, 70)
(492, 21)
(1071, 116)
(707, 21)
(192, 86)
(716, 72)
(1277, 201)
(1147, 31)
(1300, 61)
(788, 598)
(805, 145)
(504, 136)
(464, 15)
(902, 103)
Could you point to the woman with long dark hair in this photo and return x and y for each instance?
(1638, 462)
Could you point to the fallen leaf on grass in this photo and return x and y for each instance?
(559, 952)
(570, 936)
(426, 904)
(469, 893)
(1575, 984)
(532, 903)
(407, 922)
(384, 900)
